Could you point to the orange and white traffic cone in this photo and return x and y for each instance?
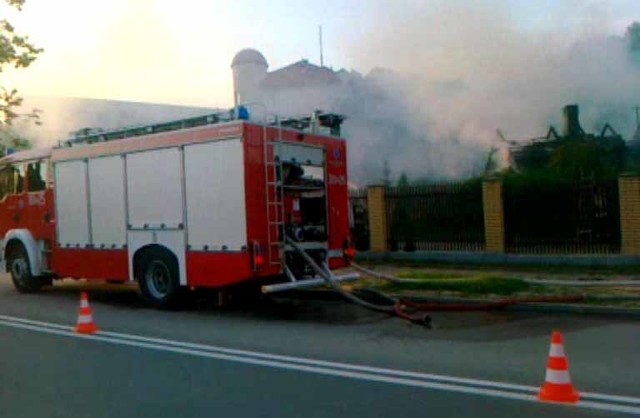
(557, 383)
(85, 317)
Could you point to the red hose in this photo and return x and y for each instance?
(403, 304)
(416, 316)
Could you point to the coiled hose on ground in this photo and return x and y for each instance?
(406, 309)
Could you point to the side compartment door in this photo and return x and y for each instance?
(72, 204)
(107, 210)
(215, 189)
(155, 203)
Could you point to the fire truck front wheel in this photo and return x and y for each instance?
(18, 266)
(158, 279)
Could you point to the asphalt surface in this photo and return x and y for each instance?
(45, 370)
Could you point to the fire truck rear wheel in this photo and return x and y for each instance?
(158, 279)
(18, 265)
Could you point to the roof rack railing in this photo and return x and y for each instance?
(133, 131)
(318, 119)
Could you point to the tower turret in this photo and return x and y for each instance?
(249, 69)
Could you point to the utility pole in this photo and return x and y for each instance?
(321, 48)
(637, 109)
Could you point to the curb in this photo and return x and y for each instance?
(575, 309)
(602, 311)
(631, 313)
(477, 258)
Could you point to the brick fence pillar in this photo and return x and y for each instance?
(629, 191)
(377, 218)
(493, 214)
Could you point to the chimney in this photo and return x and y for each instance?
(571, 122)
(636, 137)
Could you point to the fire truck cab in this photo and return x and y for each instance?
(205, 202)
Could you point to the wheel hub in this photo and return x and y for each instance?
(158, 279)
(18, 269)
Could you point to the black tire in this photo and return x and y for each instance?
(159, 280)
(20, 270)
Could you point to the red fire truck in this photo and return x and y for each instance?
(205, 202)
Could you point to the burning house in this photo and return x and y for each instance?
(573, 149)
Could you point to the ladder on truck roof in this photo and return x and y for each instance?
(89, 136)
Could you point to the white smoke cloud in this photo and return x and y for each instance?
(467, 70)
(458, 71)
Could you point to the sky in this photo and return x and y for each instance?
(173, 52)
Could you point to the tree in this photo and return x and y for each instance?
(18, 52)
(403, 181)
(11, 140)
(633, 36)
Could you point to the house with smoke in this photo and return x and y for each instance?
(575, 152)
(385, 131)
(297, 89)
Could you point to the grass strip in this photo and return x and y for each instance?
(431, 275)
(473, 286)
(519, 267)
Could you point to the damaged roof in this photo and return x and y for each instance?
(300, 73)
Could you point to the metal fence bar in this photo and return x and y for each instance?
(545, 217)
(359, 218)
(562, 217)
(440, 217)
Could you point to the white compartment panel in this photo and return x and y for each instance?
(72, 206)
(154, 188)
(216, 212)
(106, 192)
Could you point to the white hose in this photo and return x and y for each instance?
(326, 274)
(394, 279)
(539, 282)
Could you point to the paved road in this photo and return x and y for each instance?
(45, 370)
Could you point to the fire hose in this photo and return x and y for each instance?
(573, 283)
(406, 309)
(326, 274)
(386, 304)
(465, 306)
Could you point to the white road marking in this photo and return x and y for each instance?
(612, 403)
